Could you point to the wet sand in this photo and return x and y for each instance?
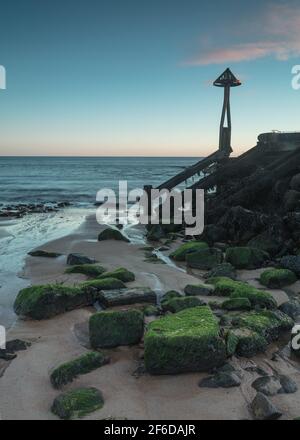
(25, 389)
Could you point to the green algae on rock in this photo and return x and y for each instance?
(187, 248)
(237, 304)
(68, 371)
(277, 278)
(77, 403)
(199, 289)
(114, 328)
(121, 274)
(246, 257)
(112, 234)
(170, 295)
(103, 284)
(245, 342)
(205, 259)
(184, 342)
(90, 270)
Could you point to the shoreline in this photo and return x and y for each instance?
(25, 388)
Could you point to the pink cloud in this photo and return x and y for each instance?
(280, 38)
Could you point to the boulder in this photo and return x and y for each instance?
(169, 295)
(277, 278)
(288, 386)
(46, 301)
(205, 259)
(291, 200)
(120, 297)
(75, 259)
(77, 403)
(291, 262)
(114, 328)
(176, 304)
(112, 234)
(295, 182)
(90, 270)
(221, 380)
(263, 409)
(187, 248)
(183, 342)
(267, 385)
(199, 289)
(246, 257)
(121, 274)
(68, 371)
(46, 254)
(236, 304)
(241, 224)
(214, 233)
(222, 270)
(291, 308)
(266, 242)
(244, 342)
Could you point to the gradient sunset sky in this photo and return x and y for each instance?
(133, 77)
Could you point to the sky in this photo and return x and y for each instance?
(134, 77)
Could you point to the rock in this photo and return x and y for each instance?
(90, 270)
(241, 224)
(188, 248)
(277, 278)
(114, 328)
(77, 403)
(268, 385)
(246, 257)
(245, 343)
(295, 182)
(112, 234)
(237, 304)
(169, 295)
(121, 274)
(291, 262)
(75, 259)
(120, 297)
(16, 345)
(205, 259)
(46, 301)
(214, 233)
(288, 386)
(266, 242)
(155, 233)
(290, 308)
(183, 342)
(238, 289)
(221, 380)
(176, 304)
(151, 311)
(291, 200)
(105, 284)
(68, 371)
(263, 408)
(222, 270)
(41, 253)
(199, 289)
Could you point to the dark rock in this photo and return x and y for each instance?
(46, 254)
(288, 385)
(112, 234)
(222, 270)
(291, 200)
(119, 297)
(214, 233)
(295, 182)
(205, 259)
(246, 257)
(241, 224)
(199, 289)
(221, 380)
(76, 259)
(263, 409)
(290, 308)
(268, 385)
(291, 262)
(266, 242)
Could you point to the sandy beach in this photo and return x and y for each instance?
(129, 392)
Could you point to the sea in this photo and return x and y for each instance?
(51, 180)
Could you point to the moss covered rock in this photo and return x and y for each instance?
(169, 295)
(112, 234)
(188, 248)
(121, 274)
(277, 278)
(186, 341)
(245, 342)
(266, 323)
(185, 302)
(205, 259)
(246, 257)
(120, 297)
(151, 311)
(237, 304)
(90, 270)
(199, 289)
(45, 301)
(68, 371)
(104, 284)
(77, 403)
(114, 328)
(222, 270)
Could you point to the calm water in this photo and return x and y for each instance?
(46, 179)
(51, 179)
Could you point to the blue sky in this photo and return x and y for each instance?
(134, 77)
